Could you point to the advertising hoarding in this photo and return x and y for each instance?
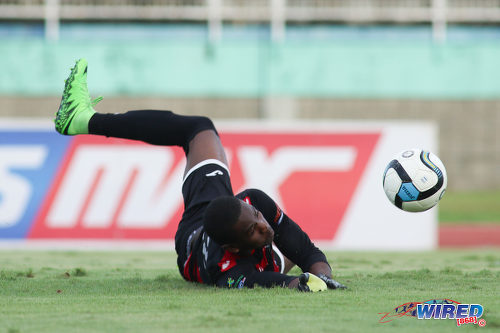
(327, 176)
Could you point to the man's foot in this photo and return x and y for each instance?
(76, 107)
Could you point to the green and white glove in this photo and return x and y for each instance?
(309, 282)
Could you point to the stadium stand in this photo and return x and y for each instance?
(356, 59)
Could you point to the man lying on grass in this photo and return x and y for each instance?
(222, 239)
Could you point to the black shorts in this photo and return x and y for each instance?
(204, 182)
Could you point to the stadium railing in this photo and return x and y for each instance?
(277, 13)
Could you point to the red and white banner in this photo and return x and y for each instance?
(326, 176)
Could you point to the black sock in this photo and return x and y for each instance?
(152, 126)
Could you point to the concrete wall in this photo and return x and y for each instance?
(469, 130)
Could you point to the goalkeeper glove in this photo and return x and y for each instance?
(331, 283)
(309, 282)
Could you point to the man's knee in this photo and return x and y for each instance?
(199, 124)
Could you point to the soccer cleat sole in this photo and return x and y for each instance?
(63, 115)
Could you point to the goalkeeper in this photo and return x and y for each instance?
(222, 239)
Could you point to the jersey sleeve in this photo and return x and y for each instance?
(292, 241)
(244, 275)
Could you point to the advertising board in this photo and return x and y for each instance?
(327, 176)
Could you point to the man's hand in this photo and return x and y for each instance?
(331, 283)
(309, 282)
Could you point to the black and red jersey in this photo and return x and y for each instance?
(202, 260)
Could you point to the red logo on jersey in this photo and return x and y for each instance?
(248, 201)
(228, 261)
(278, 214)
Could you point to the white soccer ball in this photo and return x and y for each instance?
(415, 180)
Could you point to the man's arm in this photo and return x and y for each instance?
(245, 275)
(291, 239)
(321, 268)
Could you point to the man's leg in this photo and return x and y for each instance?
(197, 135)
(204, 146)
(288, 265)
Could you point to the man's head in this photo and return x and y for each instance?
(236, 225)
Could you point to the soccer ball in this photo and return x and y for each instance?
(415, 180)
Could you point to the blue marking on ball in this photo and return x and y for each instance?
(408, 192)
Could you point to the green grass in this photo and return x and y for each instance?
(143, 292)
(470, 207)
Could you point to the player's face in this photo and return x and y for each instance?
(252, 229)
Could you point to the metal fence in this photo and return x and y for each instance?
(276, 13)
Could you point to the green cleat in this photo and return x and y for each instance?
(76, 107)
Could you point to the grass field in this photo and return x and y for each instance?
(143, 292)
(86, 291)
(470, 207)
